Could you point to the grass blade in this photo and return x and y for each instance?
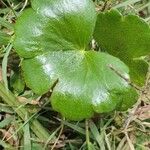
(126, 3)
(6, 121)
(6, 24)
(99, 137)
(6, 145)
(74, 127)
(27, 141)
(11, 100)
(51, 137)
(4, 65)
(6, 108)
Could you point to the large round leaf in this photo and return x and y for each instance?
(54, 25)
(86, 83)
(126, 37)
(53, 45)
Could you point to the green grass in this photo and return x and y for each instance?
(28, 121)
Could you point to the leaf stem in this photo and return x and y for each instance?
(11, 100)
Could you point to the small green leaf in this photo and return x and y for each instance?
(126, 37)
(17, 83)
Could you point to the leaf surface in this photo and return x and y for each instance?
(126, 37)
(53, 45)
(86, 84)
(55, 25)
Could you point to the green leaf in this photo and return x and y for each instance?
(4, 38)
(55, 25)
(85, 85)
(17, 83)
(126, 37)
(54, 47)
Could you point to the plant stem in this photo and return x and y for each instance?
(87, 134)
(6, 145)
(11, 100)
(61, 130)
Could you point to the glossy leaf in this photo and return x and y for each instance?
(126, 37)
(54, 47)
(86, 84)
(55, 25)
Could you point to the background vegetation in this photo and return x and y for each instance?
(46, 129)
